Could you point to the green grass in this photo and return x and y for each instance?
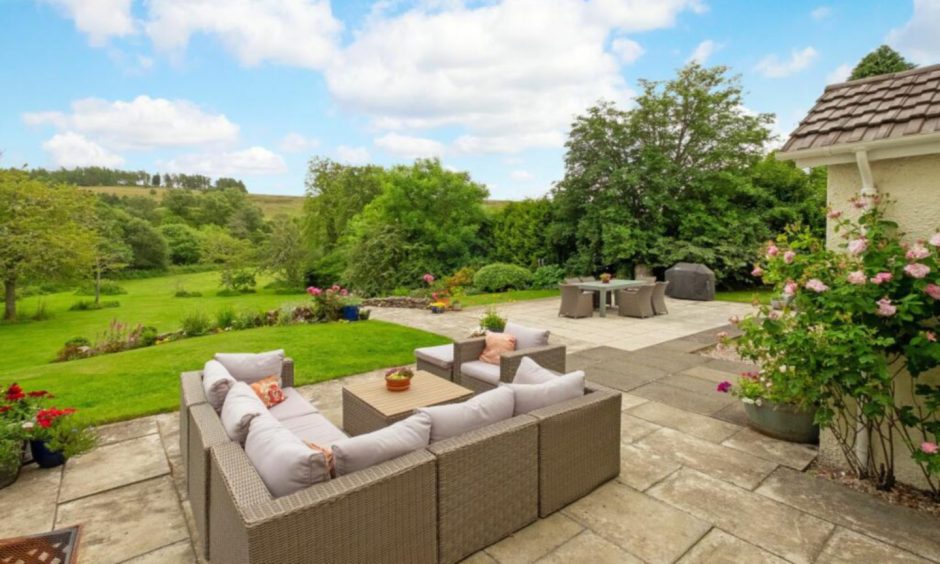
(510, 296)
(145, 381)
(745, 296)
(271, 205)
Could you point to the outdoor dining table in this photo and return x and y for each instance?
(612, 286)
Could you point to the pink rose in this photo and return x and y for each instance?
(428, 277)
(757, 272)
(790, 288)
(734, 320)
(929, 447)
(935, 240)
(774, 314)
(313, 291)
(882, 277)
(344, 292)
(724, 387)
(858, 246)
(930, 336)
(885, 308)
(788, 257)
(933, 291)
(834, 214)
(772, 250)
(857, 277)
(816, 285)
(917, 270)
(917, 252)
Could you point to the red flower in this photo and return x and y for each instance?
(39, 394)
(4, 408)
(15, 392)
(46, 417)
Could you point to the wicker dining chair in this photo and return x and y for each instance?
(575, 303)
(636, 302)
(659, 298)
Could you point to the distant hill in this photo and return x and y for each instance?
(271, 205)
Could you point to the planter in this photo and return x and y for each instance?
(782, 421)
(436, 309)
(11, 471)
(44, 457)
(397, 384)
(350, 313)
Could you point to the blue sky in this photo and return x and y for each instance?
(253, 89)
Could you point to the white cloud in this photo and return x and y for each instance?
(821, 13)
(296, 143)
(300, 33)
(918, 38)
(772, 67)
(353, 155)
(253, 160)
(839, 74)
(627, 50)
(99, 19)
(409, 147)
(141, 123)
(70, 150)
(703, 51)
(521, 176)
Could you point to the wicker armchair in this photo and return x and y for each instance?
(659, 298)
(575, 303)
(636, 302)
(551, 357)
(383, 514)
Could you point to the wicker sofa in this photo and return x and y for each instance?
(468, 352)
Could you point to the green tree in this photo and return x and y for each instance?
(147, 245)
(285, 253)
(45, 232)
(518, 233)
(234, 256)
(336, 193)
(883, 60)
(182, 243)
(111, 253)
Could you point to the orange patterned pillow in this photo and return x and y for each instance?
(496, 345)
(269, 391)
(327, 453)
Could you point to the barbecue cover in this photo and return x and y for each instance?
(690, 281)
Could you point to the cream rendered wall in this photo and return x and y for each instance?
(914, 184)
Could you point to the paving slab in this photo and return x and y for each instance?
(682, 399)
(630, 400)
(29, 504)
(901, 526)
(117, 432)
(710, 374)
(641, 468)
(683, 345)
(701, 386)
(733, 413)
(718, 547)
(126, 522)
(793, 455)
(694, 424)
(734, 466)
(603, 353)
(112, 466)
(649, 529)
(734, 367)
(535, 541)
(849, 547)
(670, 361)
(177, 553)
(588, 547)
(480, 557)
(633, 428)
(759, 520)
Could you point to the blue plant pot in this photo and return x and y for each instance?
(44, 457)
(351, 313)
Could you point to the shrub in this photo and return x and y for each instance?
(196, 323)
(147, 336)
(76, 347)
(41, 313)
(225, 318)
(500, 276)
(492, 321)
(89, 305)
(249, 320)
(182, 293)
(108, 288)
(401, 291)
(548, 276)
(461, 278)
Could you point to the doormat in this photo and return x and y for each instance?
(55, 547)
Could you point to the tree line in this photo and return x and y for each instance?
(103, 176)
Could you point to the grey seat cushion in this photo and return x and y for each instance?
(251, 367)
(479, 411)
(241, 406)
(314, 428)
(530, 397)
(483, 371)
(529, 372)
(294, 405)
(283, 461)
(442, 355)
(527, 337)
(216, 382)
(398, 439)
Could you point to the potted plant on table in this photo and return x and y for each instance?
(606, 278)
(398, 379)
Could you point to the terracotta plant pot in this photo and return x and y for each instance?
(397, 384)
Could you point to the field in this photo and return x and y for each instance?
(271, 205)
(144, 381)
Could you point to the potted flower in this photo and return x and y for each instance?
(59, 435)
(606, 277)
(398, 379)
(11, 452)
(437, 307)
(364, 314)
(350, 308)
(771, 410)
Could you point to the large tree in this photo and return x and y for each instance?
(284, 252)
(336, 193)
(46, 232)
(883, 60)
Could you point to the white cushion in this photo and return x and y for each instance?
(441, 355)
(398, 439)
(294, 405)
(529, 372)
(241, 405)
(479, 411)
(483, 371)
(216, 381)
(283, 461)
(526, 337)
(250, 367)
(314, 428)
(530, 397)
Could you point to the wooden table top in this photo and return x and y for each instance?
(426, 390)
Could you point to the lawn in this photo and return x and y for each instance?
(510, 296)
(745, 296)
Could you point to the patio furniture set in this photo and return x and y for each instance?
(432, 474)
(634, 298)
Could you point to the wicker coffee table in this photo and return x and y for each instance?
(368, 406)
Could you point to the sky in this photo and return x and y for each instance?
(255, 88)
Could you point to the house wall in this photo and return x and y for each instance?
(914, 184)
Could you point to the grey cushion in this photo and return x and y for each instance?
(294, 405)
(483, 371)
(529, 372)
(216, 381)
(314, 428)
(442, 355)
(251, 367)
(479, 411)
(530, 397)
(398, 439)
(283, 461)
(526, 337)
(241, 405)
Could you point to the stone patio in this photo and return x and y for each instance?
(695, 485)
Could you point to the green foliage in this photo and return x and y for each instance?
(492, 321)
(883, 60)
(182, 243)
(548, 276)
(106, 288)
(248, 320)
(519, 233)
(497, 277)
(285, 253)
(234, 257)
(89, 305)
(225, 318)
(195, 323)
(147, 245)
(70, 435)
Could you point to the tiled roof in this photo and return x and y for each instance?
(880, 107)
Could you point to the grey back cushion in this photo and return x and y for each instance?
(530, 397)
(529, 372)
(216, 382)
(526, 337)
(398, 439)
(241, 405)
(251, 367)
(479, 411)
(283, 461)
